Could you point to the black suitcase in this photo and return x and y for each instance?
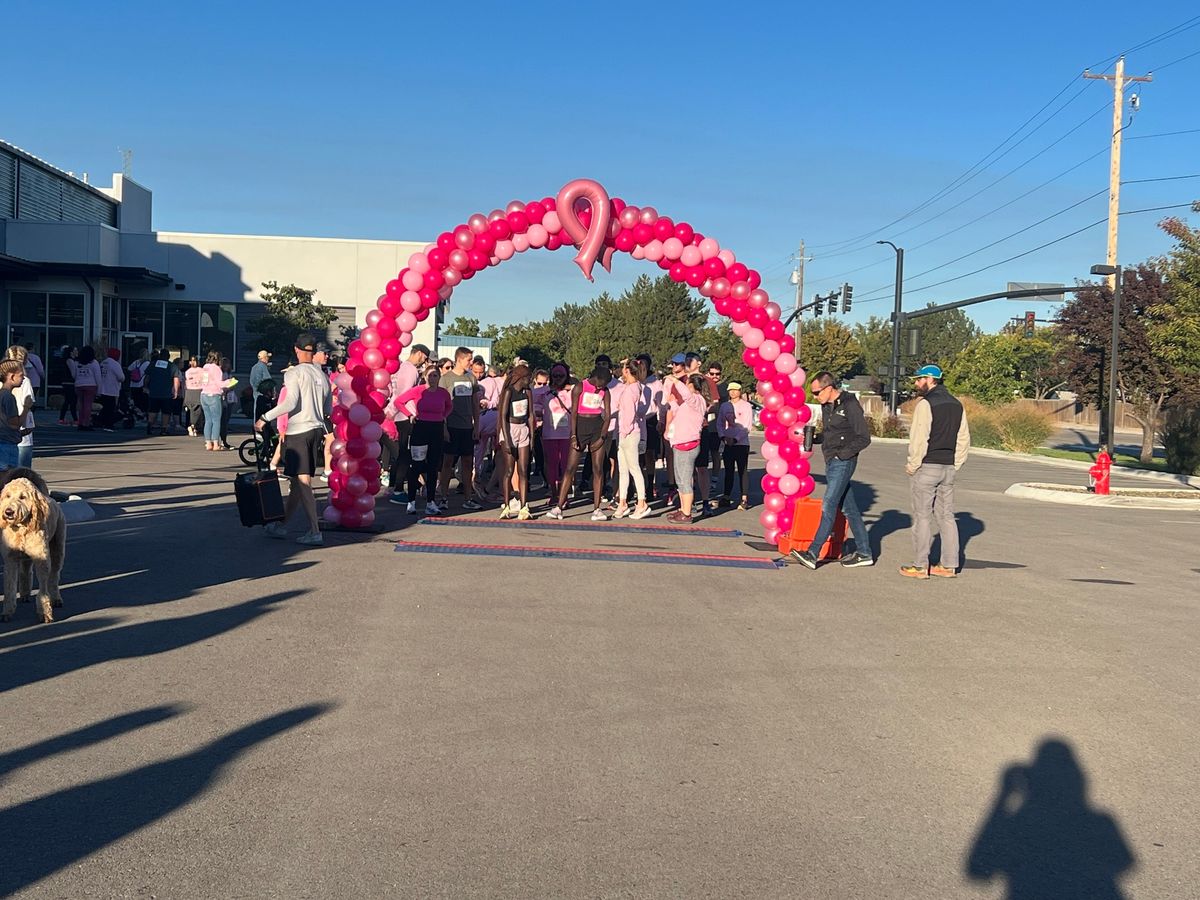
(258, 498)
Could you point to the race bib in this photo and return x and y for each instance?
(419, 452)
(161, 364)
(520, 409)
(591, 402)
(464, 389)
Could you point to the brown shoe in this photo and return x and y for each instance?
(914, 572)
(942, 572)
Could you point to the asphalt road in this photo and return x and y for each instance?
(221, 715)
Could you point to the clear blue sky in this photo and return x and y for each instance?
(760, 124)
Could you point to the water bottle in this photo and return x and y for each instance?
(809, 432)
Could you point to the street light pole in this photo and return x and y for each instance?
(897, 315)
(1115, 272)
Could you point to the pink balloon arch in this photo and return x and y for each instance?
(582, 216)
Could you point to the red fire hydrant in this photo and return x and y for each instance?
(1098, 482)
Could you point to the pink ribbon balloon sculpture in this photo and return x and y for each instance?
(581, 215)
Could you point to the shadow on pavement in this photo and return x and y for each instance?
(1044, 838)
(83, 737)
(59, 829)
(29, 664)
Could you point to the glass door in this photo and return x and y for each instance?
(134, 344)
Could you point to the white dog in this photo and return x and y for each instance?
(33, 537)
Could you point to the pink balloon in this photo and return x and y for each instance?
(520, 242)
(764, 387)
(452, 276)
(359, 414)
(347, 465)
(371, 432)
(412, 281)
(709, 248)
(774, 402)
(789, 485)
(342, 380)
(775, 502)
(380, 378)
(405, 338)
(347, 398)
(753, 338)
(672, 248)
(352, 518)
(374, 317)
(804, 415)
(410, 301)
(459, 260)
(773, 310)
(419, 263)
(721, 287)
(648, 215)
(464, 237)
(727, 257)
(629, 217)
(768, 350)
(799, 377)
(769, 452)
(505, 250)
(654, 250)
(777, 467)
(364, 502)
(367, 519)
(478, 223)
(537, 236)
(786, 416)
(373, 359)
(407, 321)
(771, 535)
(690, 256)
(785, 363)
(740, 328)
(370, 337)
(768, 519)
(551, 222)
(758, 299)
(740, 290)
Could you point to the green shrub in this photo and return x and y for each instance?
(981, 420)
(1180, 436)
(887, 427)
(1022, 429)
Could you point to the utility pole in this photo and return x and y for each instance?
(798, 281)
(897, 322)
(1119, 80)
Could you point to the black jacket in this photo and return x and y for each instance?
(845, 433)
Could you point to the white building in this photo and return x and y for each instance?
(79, 263)
(479, 346)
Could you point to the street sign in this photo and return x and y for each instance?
(1035, 286)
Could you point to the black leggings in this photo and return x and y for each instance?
(429, 435)
(70, 403)
(226, 412)
(737, 455)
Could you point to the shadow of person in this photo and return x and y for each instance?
(61, 828)
(888, 522)
(968, 527)
(1045, 839)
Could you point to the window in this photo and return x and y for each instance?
(46, 321)
(147, 316)
(181, 329)
(217, 328)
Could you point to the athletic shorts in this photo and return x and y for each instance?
(163, 405)
(653, 438)
(461, 443)
(520, 435)
(304, 452)
(709, 441)
(590, 429)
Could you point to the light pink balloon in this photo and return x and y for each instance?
(428, 247)
(445, 291)
(691, 256)
(419, 262)
(342, 381)
(411, 300)
(520, 242)
(785, 363)
(739, 328)
(551, 223)
(505, 249)
(789, 485)
(709, 248)
(768, 350)
(799, 377)
(413, 281)
(726, 256)
(478, 223)
(769, 452)
(672, 248)
(407, 321)
(758, 299)
(654, 250)
(773, 310)
(753, 338)
(347, 398)
(537, 236)
(775, 502)
(452, 276)
(494, 260)
(640, 253)
(405, 338)
(777, 467)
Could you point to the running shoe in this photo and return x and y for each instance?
(743, 505)
(555, 512)
(805, 558)
(275, 530)
(524, 515)
(432, 509)
(411, 508)
(622, 512)
(398, 499)
(472, 505)
(724, 502)
(640, 513)
(679, 517)
(857, 561)
(599, 515)
(384, 479)
(505, 512)
(919, 572)
(312, 539)
(942, 572)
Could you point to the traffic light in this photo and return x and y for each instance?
(847, 293)
(1030, 323)
(819, 306)
(833, 298)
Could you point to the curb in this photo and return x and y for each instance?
(1077, 465)
(1047, 494)
(76, 509)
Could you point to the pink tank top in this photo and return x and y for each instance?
(591, 399)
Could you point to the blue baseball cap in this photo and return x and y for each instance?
(928, 372)
(678, 359)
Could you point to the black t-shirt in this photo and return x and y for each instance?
(518, 408)
(160, 379)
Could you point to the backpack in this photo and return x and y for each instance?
(135, 374)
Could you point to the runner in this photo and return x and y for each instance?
(589, 425)
(632, 402)
(513, 441)
(428, 405)
(655, 415)
(553, 405)
(733, 425)
(685, 420)
(463, 425)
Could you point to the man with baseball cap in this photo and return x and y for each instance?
(938, 441)
(260, 371)
(404, 379)
(308, 404)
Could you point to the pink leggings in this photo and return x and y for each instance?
(556, 451)
(86, 395)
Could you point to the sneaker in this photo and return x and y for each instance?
(514, 505)
(524, 515)
(411, 508)
(432, 509)
(805, 558)
(724, 503)
(472, 505)
(398, 499)
(505, 512)
(191, 431)
(640, 513)
(857, 561)
(915, 572)
(443, 500)
(679, 518)
(385, 480)
(672, 498)
(275, 530)
(942, 572)
(555, 512)
(599, 515)
(312, 539)
(622, 512)
(744, 505)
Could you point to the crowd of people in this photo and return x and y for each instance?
(508, 433)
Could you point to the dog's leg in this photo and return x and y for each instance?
(43, 597)
(10, 590)
(25, 574)
(58, 553)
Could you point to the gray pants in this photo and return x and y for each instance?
(933, 498)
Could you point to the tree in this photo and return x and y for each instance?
(944, 335)
(874, 339)
(987, 369)
(1174, 329)
(718, 344)
(828, 345)
(1040, 362)
(290, 311)
(1146, 379)
(463, 327)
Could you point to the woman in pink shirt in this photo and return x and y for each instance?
(552, 405)
(689, 407)
(430, 406)
(734, 422)
(590, 411)
(514, 439)
(632, 401)
(213, 385)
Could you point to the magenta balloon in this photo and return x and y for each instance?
(775, 502)
(390, 348)
(806, 485)
(390, 306)
(373, 359)
(360, 416)
(385, 326)
(786, 416)
(798, 467)
(351, 518)
(588, 238)
(737, 312)
(367, 519)
(407, 321)
(777, 467)
(789, 485)
(380, 378)
(795, 397)
(776, 434)
(770, 484)
(785, 520)
(803, 415)
(355, 485)
(788, 450)
(356, 447)
(763, 369)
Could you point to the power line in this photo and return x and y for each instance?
(1142, 137)
(1174, 61)
(1165, 178)
(1185, 25)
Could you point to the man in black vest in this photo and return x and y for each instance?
(938, 441)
